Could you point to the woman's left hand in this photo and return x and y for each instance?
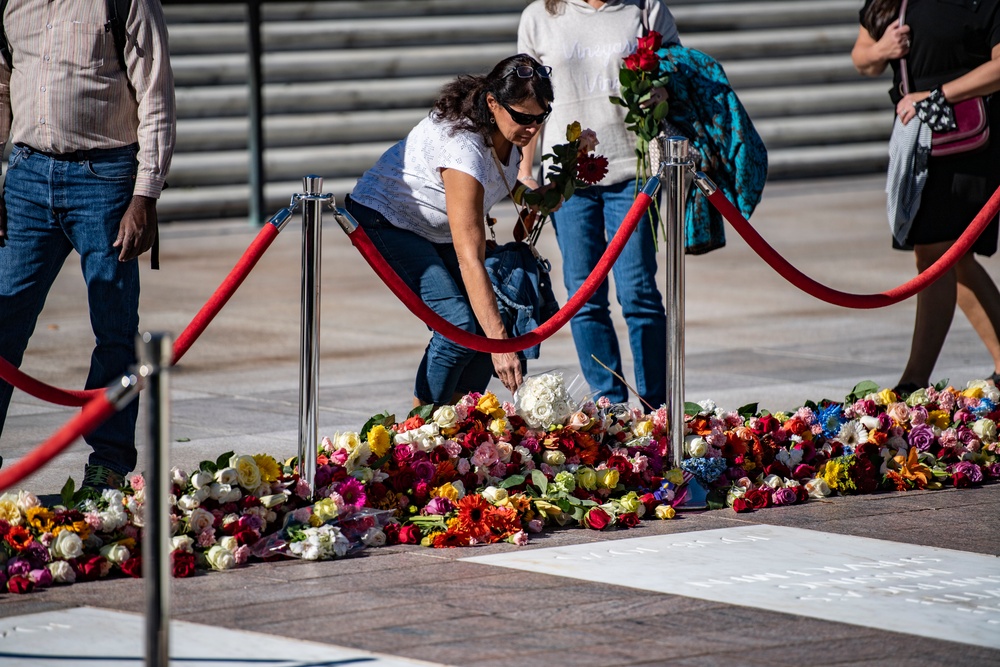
(508, 368)
(905, 109)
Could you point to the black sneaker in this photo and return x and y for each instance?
(100, 477)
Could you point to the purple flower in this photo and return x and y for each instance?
(970, 470)
(784, 496)
(18, 566)
(438, 506)
(884, 422)
(993, 470)
(963, 417)
(37, 555)
(922, 437)
(424, 470)
(918, 415)
(41, 577)
(353, 493)
(324, 475)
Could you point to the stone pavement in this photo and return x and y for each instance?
(751, 337)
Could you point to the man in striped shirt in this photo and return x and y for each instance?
(91, 147)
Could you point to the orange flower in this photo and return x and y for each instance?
(19, 538)
(445, 472)
(451, 539)
(473, 518)
(911, 469)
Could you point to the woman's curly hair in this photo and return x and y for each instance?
(463, 101)
(878, 15)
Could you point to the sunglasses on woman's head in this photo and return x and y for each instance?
(527, 71)
(526, 119)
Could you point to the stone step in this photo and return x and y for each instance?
(336, 34)
(751, 15)
(289, 67)
(420, 92)
(734, 46)
(210, 202)
(209, 12)
(832, 129)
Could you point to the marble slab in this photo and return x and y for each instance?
(90, 636)
(926, 591)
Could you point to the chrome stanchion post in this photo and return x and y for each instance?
(312, 237)
(678, 165)
(155, 357)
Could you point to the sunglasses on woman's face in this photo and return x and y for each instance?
(526, 119)
(527, 71)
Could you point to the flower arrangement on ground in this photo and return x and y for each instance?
(482, 471)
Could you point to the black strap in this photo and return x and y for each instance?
(4, 46)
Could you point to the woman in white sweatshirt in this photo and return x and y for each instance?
(584, 42)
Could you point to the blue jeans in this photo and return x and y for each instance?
(584, 225)
(55, 206)
(431, 271)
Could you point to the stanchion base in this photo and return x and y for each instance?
(697, 497)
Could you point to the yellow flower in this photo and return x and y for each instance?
(939, 418)
(378, 440)
(498, 426)
(586, 478)
(489, 405)
(607, 479)
(10, 513)
(40, 519)
(676, 476)
(324, 510)
(885, 397)
(269, 468)
(643, 428)
(665, 512)
(573, 130)
(446, 491)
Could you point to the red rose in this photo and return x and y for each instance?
(648, 61)
(246, 536)
(741, 505)
(629, 520)
(960, 480)
(596, 519)
(803, 471)
(20, 583)
(133, 567)
(182, 563)
(758, 498)
(652, 41)
(88, 568)
(650, 501)
(409, 534)
(632, 62)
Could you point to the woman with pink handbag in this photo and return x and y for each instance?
(944, 165)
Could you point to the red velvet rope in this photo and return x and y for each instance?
(494, 345)
(847, 299)
(94, 413)
(228, 287)
(76, 398)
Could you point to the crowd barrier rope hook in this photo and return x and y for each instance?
(154, 353)
(107, 401)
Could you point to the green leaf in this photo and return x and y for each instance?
(538, 479)
(941, 385)
(183, 440)
(692, 408)
(627, 78)
(422, 411)
(569, 189)
(209, 467)
(861, 390)
(513, 480)
(66, 493)
(619, 101)
(223, 460)
(660, 111)
(747, 411)
(579, 513)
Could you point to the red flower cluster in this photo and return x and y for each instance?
(645, 58)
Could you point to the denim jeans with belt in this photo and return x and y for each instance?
(431, 271)
(56, 204)
(584, 225)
